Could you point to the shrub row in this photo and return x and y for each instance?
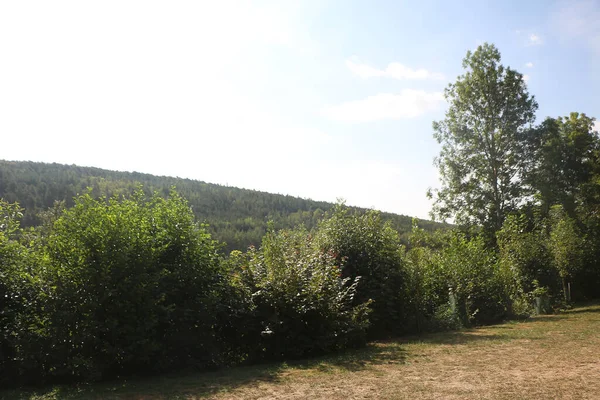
(134, 285)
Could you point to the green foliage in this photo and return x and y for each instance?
(482, 142)
(129, 284)
(134, 285)
(426, 289)
(563, 152)
(236, 217)
(524, 253)
(21, 311)
(300, 303)
(565, 243)
(474, 279)
(566, 246)
(587, 277)
(494, 164)
(367, 247)
(455, 280)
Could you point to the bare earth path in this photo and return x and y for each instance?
(547, 357)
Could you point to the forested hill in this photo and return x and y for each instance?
(236, 216)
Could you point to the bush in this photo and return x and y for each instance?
(566, 247)
(299, 301)
(427, 289)
(523, 249)
(21, 311)
(369, 248)
(475, 280)
(135, 285)
(455, 281)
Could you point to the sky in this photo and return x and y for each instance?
(325, 99)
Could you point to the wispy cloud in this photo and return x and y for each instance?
(526, 78)
(529, 65)
(529, 37)
(597, 126)
(393, 70)
(579, 20)
(534, 40)
(409, 103)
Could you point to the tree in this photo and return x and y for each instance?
(481, 160)
(562, 154)
(566, 246)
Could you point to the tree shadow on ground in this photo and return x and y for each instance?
(376, 353)
(171, 386)
(462, 337)
(586, 310)
(546, 318)
(201, 384)
(563, 314)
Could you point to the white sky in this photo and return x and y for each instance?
(262, 95)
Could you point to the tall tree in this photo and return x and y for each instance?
(481, 160)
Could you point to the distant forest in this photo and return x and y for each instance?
(237, 217)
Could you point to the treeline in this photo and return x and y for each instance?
(236, 217)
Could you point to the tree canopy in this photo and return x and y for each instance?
(482, 137)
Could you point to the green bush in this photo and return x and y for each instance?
(299, 301)
(427, 288)
(455, 281)
(565, 244)
(135, 285)
(476, 282)
(21, 310)
(524, 253)
(367, 247)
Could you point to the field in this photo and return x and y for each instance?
(545, 357)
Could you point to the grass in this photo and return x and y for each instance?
(547, 357)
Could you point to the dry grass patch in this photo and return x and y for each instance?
(545, 357)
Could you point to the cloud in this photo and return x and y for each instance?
(534, 40)
(597, 126)
(529, 65)
(394, 70)
(579, 20)
(529, 37)
(409, 103)
(526, 78)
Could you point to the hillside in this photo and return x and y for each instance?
(236, 216)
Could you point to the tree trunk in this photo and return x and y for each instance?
(566, 290)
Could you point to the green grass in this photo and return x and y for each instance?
(555, 356)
